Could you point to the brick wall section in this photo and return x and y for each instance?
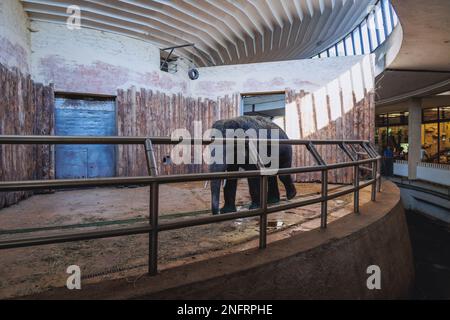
(26, 108)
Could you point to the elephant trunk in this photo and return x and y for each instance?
(215, 188)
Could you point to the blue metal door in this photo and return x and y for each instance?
(85, 117)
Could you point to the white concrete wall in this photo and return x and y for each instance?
(308, 75)
(332, 87)
(426, 202)
(439, 174)
(401, 168)
(91, 61)
(14, 36)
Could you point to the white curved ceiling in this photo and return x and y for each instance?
(224, 31)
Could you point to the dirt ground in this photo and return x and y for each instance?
(30, 270)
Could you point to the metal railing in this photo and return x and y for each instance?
(354, 149)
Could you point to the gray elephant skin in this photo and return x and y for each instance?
(285, 161)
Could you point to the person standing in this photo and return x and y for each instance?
(388, 157)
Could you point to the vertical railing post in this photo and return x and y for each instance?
(153, 209)
(372, 155)
(324, 204)
(378, 167)
(153, 237)
(374, 176)
(379, 175)
(263, 218)
(356, 192)
(263, 190)
(354, 157)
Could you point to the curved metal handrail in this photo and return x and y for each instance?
(154, 180)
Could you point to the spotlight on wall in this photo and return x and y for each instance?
(193, 74)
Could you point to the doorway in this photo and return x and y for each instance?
(272, 106)
(85, 116)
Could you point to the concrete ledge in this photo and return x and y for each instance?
(319, 264)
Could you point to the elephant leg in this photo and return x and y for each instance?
(254, 187)
(291, 191)
(273, 192)
(229, 196)
(215, 196)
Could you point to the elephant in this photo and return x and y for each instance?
(285, 161)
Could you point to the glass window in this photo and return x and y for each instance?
(357, 41)
(430, 145)
(381, 138)
(444, 142)
(398, 141)
(340, 49)
(387, 15)
(332, 52)
(372, 31)
(365, 38)
(392, 131)
(430, 114)
(435, 134)
(394, 16)
(380, 24)
(381, 120)
(444, 113)
(369, 34)
(398, 118)
(349, 45)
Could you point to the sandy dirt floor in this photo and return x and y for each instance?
(30, 270)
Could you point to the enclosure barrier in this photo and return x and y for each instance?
(353, 149)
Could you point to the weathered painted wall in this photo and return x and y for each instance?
(308, 75)
(96, 62)
(330, 98)
(325, 98)
(15, 48)
(25, 108)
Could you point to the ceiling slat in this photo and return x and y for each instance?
(225, 31)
